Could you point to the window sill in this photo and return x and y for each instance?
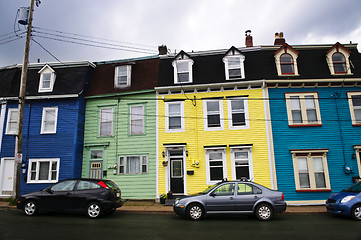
(289, 75)
(356, 125)
(314, 190)
(305, 125)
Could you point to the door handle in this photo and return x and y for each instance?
(255, 197)
(231, 198)
(68, 194)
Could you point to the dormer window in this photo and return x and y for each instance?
(287, 66)
(338, 60)
(286, 61)
(122, 76)
(233, 64)
(183, 68)
(47, 79)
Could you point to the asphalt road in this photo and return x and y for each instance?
(15, 226)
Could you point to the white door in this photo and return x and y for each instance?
(6, 176)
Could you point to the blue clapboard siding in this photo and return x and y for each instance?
(336, 134)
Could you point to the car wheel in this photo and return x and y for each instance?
(195, 212)
(264, 212)
(356, 212)
(31, 208)
(93, 210)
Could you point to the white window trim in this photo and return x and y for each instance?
(329, 60)
(294, 55)
(303, 109)
(190, 68)
(250, 161)
(141, 164)
(8, 131)
(47, 69)
(129, 74)
(246, 114)
(311, 169)
(100, 122)
(37, 170)
(352, 109)
(182, 129)
(205, 115)
(42, 131)
(130, 120)
(224, 159)
(226, 68)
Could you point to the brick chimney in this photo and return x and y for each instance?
(279, 40)
(249, 39)
(162, 50)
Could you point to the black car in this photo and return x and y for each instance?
(92, 196)
(232, 197)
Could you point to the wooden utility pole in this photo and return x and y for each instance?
(22, 92)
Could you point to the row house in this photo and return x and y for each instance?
(211, 120)
(315, 108)
(120, 125)
(53, 124)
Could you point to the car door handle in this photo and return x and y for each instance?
(68, 194)
(255, 197)
(231, 198)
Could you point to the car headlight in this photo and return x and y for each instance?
(176, 202)
(346, 199)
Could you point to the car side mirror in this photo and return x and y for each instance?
(49, 190)
(212, 194)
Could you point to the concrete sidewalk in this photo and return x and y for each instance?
(156, 208)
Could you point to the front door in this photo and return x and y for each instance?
(6, 176)
(176, 159)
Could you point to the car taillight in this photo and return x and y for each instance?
(101, 183)
(283, 197)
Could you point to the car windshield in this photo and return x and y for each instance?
(355, 188)
(209, 188)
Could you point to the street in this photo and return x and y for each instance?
(14, 225)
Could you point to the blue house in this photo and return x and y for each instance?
(315, 111)
(53, 128)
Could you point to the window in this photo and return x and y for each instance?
(213, 115)
(225, 190)
(64, 186)
(174, 116)
(122, 76)
(286, 61)
(238, 113)
(354, 100)
(182, 68)
(287, 64)
(86, 185)
(12, 122)
(234, 67)
(133, 165)
(49, 120)
(216, 165)
(43, 170)
(241, 163)
(303, 109)
(136, 120)
(245, 189)
(339, 62)
(310, 169)
(337, 58)
(47, 79)
(106, 122)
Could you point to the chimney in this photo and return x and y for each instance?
(249, 39)
(162, 50)
(279, 40)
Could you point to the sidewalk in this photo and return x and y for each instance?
(156, 208)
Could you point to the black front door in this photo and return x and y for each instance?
(176, 171)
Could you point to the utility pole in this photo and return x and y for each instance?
(22, 92)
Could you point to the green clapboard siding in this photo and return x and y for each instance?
(136, 186)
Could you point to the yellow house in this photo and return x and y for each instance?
(209, 132)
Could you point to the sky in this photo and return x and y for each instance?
(137, 27)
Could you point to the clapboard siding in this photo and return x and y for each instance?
(336, 134)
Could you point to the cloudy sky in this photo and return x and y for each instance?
(69, 30)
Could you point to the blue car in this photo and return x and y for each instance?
(347, 202)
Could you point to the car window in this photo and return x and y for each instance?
(85, 185)
(355, 188)
(244, 188)
(225, 190)
(64, 186)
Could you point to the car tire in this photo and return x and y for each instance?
(356, 212)
(195, 212)
(94, 210)
(31, 208)
(264, 212)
